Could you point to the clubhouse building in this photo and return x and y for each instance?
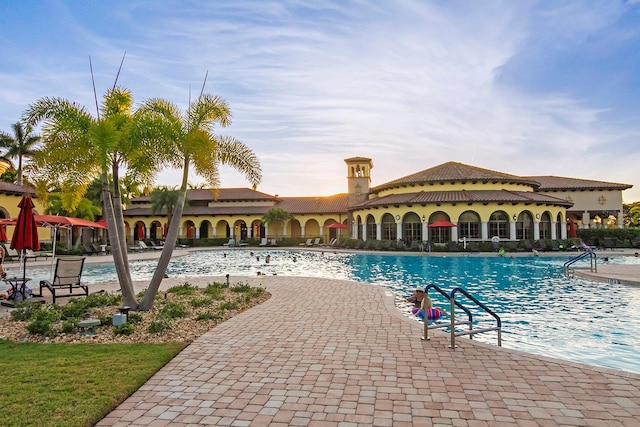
(447, 202)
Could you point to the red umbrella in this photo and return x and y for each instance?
(337, 225)
(164, 230)
(572, 229)
(3, 233)
(25, 235)
(140, 232)
(442, 223)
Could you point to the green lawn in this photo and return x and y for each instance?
(73, 384)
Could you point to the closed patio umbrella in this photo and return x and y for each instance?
(3, 233)
(25, 234)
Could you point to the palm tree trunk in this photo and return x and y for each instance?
(128, 294)
(169, 244)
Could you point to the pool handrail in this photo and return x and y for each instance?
(471, 332)
(592, 260)
(442, 325)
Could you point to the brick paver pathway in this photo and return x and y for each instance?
(337, 353)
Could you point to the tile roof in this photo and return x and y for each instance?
(454, 171)
(310, 205)
(224, 194)
(558, 183)
(11, 188)
(464, 196)
(294, 205)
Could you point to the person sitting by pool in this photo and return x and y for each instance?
(417, 298)
(433, 313)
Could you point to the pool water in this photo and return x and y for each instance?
(542, 311)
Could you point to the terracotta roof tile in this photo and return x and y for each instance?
(453, 171)
(11, 188)
(559, 183)
(466, 196)
(224, 195)
(309, 205)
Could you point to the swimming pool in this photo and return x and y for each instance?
(542, 311)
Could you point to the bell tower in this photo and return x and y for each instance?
(358, 178)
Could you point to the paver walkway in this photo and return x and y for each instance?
(336, 353)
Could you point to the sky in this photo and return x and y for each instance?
(520, 87)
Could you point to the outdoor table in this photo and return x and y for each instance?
(17, 285)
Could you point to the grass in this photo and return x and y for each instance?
(61, 385)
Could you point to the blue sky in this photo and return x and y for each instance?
(522, 87)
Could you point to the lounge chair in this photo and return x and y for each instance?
(152, 245)
(231, 243)
(263, 242)
(89, 250)
(453, 246)
(528, 246)
(473, 247)
(143, 246)
(542, 245)
(609, 243)
(317, 241)
(358, 245)
(308, 243)
(400, 246)
(31, 254)
(11, 254)
(273, 242)
(513, 247)
(415, 246)
(66, 278)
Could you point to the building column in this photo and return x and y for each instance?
(536, 230)
(620, 219)
(484, 230)
(364, 231)
(378, 231)
(512, 230)
(454, 234)
(586, 219)
(303, 232)
(554, 225)
(398, 231)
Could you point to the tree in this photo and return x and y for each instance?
(79, 148)
(165, 198)
(139, 143)
(277, 216)
(21, 144)
(85, 209)
(188, 141)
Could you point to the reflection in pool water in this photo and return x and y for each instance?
(542, 311)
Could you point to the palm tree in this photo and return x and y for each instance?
(277, 216)
(21, 144)
(165, 198)
(188, 141)
(81, 148)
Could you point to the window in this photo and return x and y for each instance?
(411, 228)
(524, 226)
(499, 225)
(545, 226)
(389, 230)
(469, 225)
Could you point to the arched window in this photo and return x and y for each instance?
(372, 229)
(389, 230)
(499, 225)
(524, 226)
(469, 225)
(411, 228)
(545, 226)
(439, 234)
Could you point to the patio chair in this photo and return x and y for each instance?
(231, 243)
(11, 254)
(453, 246)
(308, 243)
(263, 242)
(89, 250)
(474, 247)
(66, 279)
(317, 241)
(152, 245)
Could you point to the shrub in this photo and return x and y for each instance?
(215, 290)
(25, 310)
(134, 317)
(201, 302)
(185, 289)
(106, 320)
(69, 326)
(173, 310)
(41, 324)
(124, 329)
(159, 325)
(229, 305)
(207, 315)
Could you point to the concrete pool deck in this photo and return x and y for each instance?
(346, 356)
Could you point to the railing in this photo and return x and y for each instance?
(568, 270)
(453, 324)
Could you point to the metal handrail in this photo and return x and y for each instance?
(592, 260)
(471, 332)
(447, 296)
